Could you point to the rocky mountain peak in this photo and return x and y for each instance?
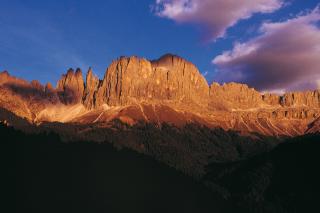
(132, 79)
(4, 76)
(4, 73)
(49, 87)
(78, 72)
(71, 87)
(37, 85)
(7, 79)
(168, 60)
(91, 87)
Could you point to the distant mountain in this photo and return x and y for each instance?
(168, 90)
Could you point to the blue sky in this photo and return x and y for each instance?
(42, 39)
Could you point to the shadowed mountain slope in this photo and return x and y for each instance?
(285, 179)
(41, 174)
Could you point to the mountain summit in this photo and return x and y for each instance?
(131, 80)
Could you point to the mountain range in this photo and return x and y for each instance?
(168, 90)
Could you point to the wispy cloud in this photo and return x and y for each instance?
(215, 16)
(285, 57)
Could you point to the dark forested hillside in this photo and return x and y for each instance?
(186, 148)
(286, 179)
(41, 174)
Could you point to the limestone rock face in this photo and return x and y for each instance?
(314, 127)
(309, 98)
(240, 96)
(91, 87)
(4, 75)
(184, 81)
(71, 87)
(7, 79)
(37, 85)
(171, 78)
(51, 94)
(233, 96)
(21, 97)
(271, 99)
(10, 99)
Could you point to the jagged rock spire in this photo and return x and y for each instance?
(91, 87)
(71, 87)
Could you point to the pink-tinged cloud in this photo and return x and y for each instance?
(215, 16)
(285, 57)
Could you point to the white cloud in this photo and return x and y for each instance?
(216, 16)
(285, 57)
